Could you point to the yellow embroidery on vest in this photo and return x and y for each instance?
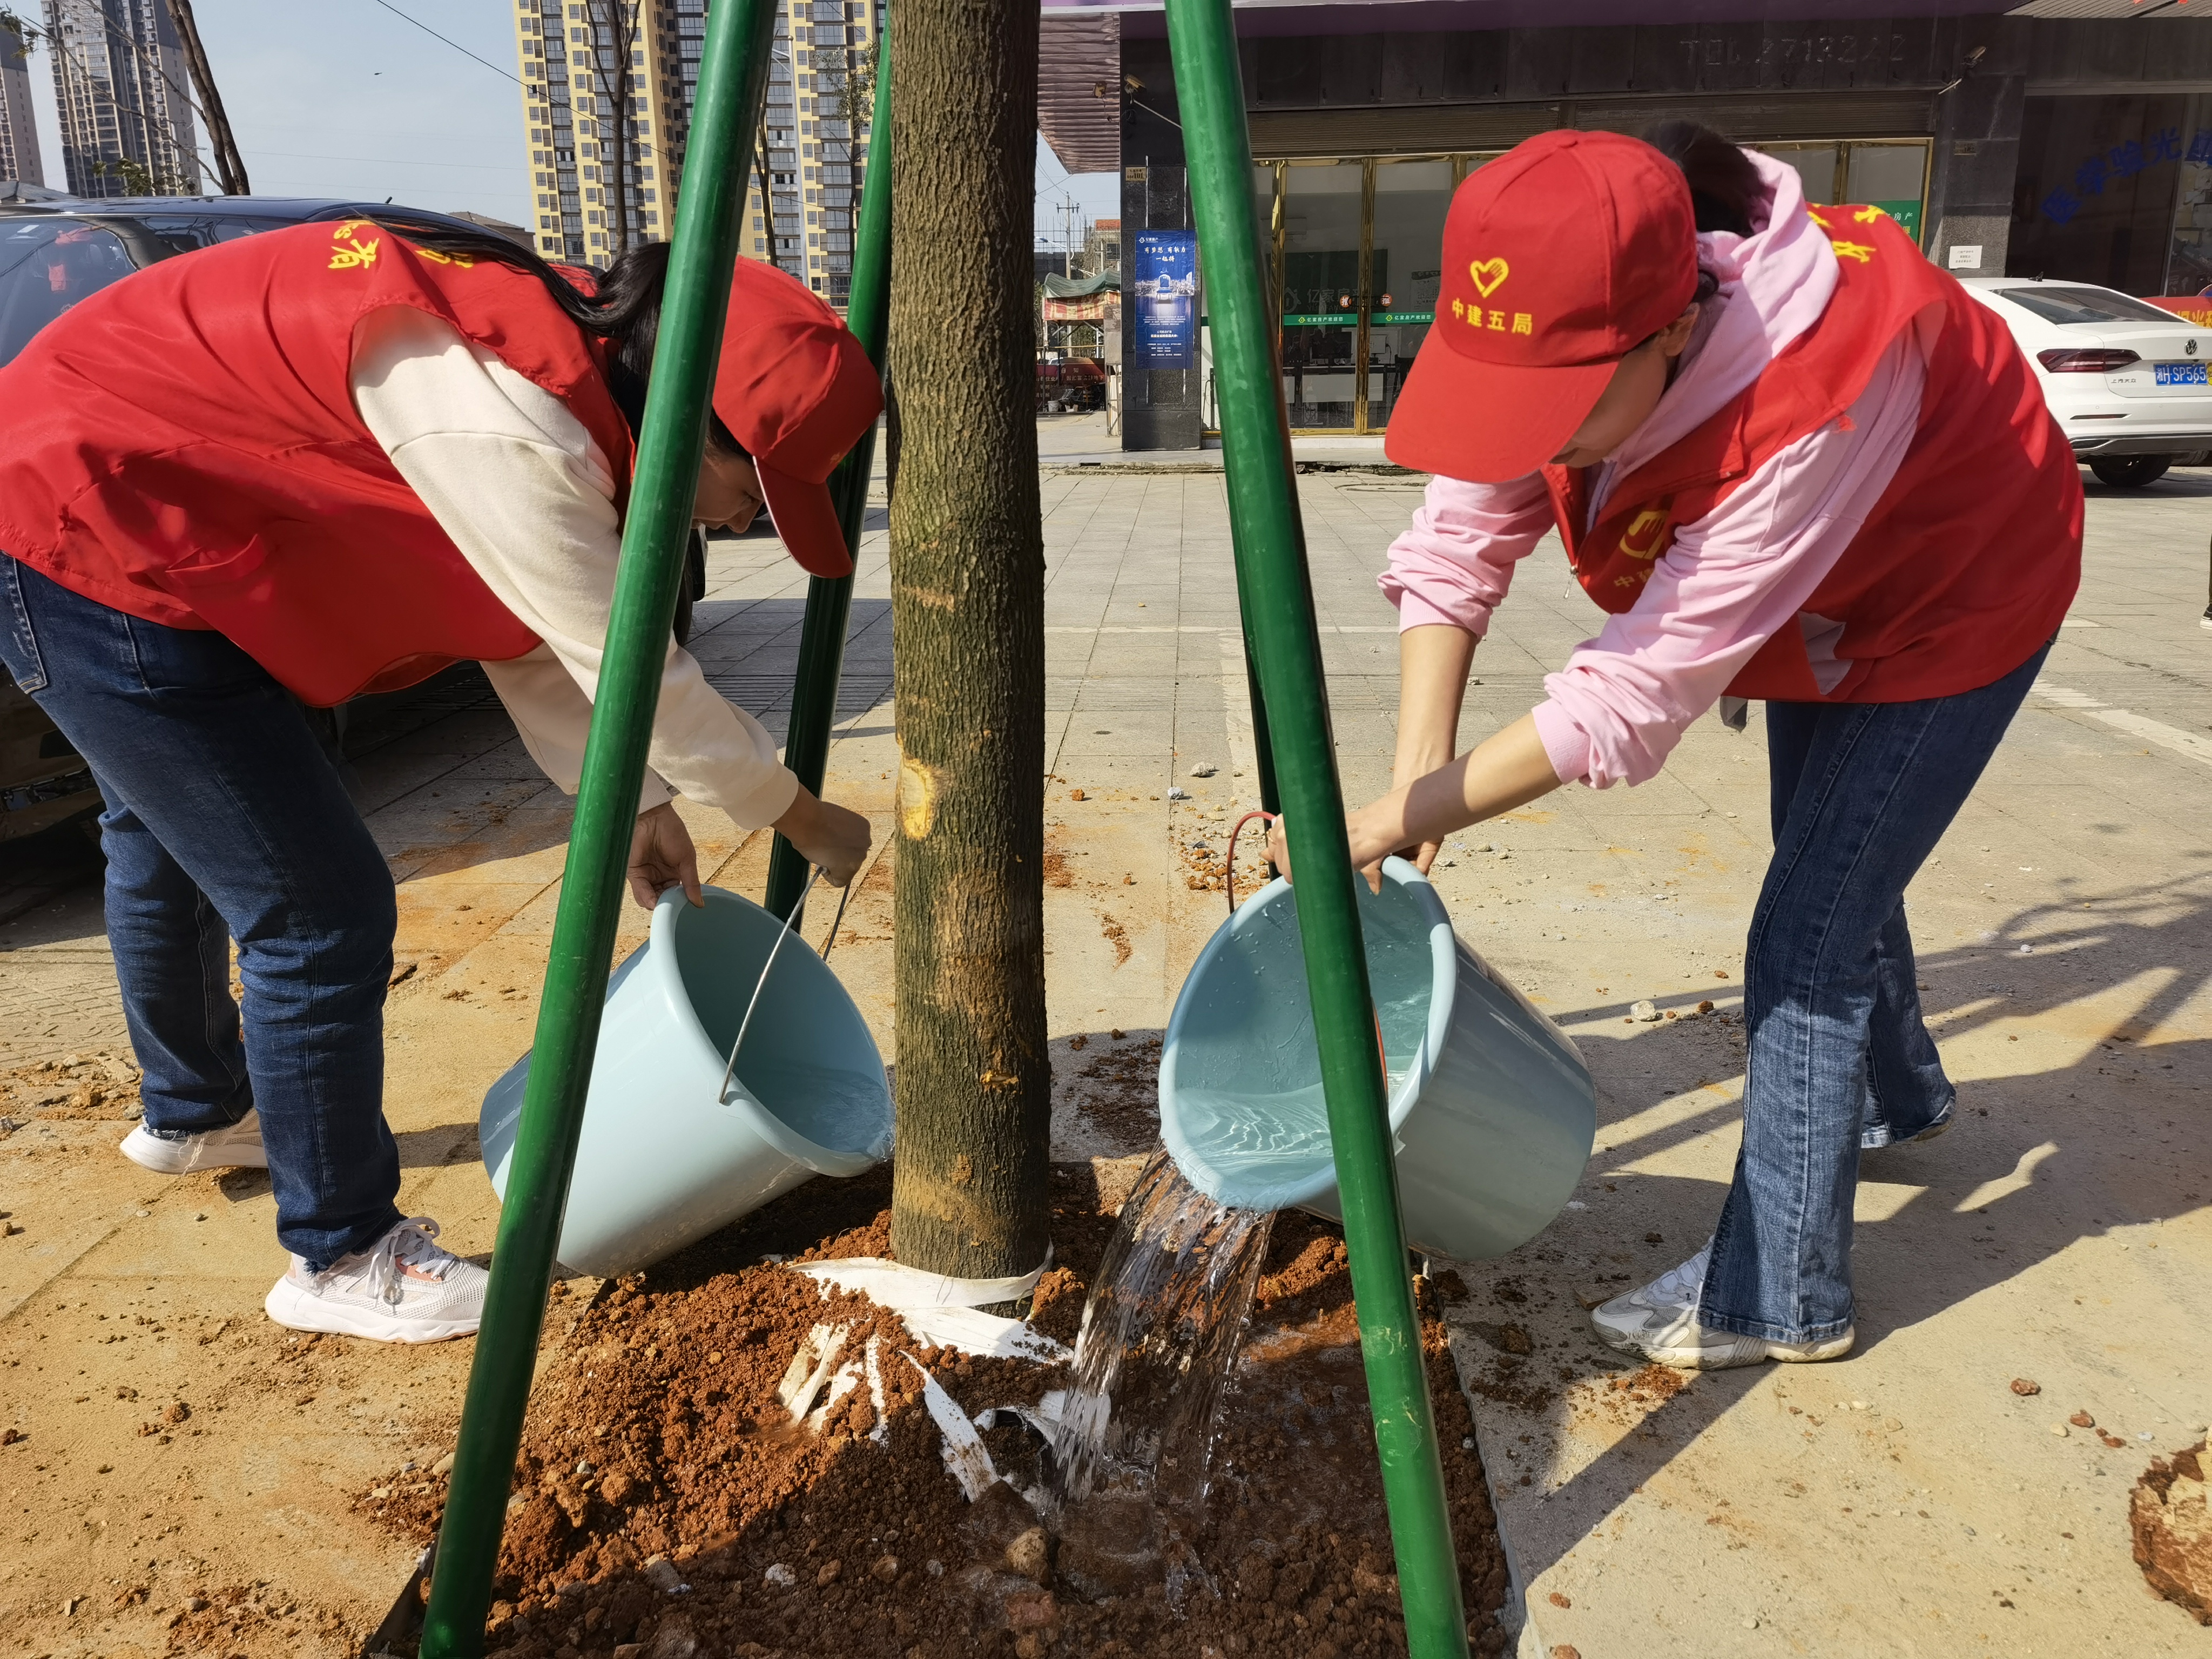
(465, 261)
(1866, 215)
(1816, 219)
(1641, 540)
(1861, 251)
(355, 256)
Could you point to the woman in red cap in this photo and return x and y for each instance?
(1795, 462)
(329, 460)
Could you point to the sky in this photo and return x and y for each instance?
(347, 98)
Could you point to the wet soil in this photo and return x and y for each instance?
(664, 1502)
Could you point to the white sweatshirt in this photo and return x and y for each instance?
(512, 478)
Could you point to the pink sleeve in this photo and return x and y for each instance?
(1454, 563)
(1731, 581)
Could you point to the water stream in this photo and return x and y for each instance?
(1160, 1334)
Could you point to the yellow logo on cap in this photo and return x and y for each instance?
(1487, 275)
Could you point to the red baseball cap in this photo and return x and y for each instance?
(794, 387)
(1560, 258)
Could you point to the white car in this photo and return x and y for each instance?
(2126, 380)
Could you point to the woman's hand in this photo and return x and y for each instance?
(828, 835)
(661, 856)
(1507, 770)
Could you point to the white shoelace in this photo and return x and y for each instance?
(410, 1244)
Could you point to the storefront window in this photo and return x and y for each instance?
(2110, 191)
(1403, 273)
(1323, 204)
(1890, 174)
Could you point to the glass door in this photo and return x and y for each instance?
(1406, 234)
(1322, 209)
(1890, 174)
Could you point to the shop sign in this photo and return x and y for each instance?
(2191, 308)
(1166, 298)
(1090, 309)
(2124, 160)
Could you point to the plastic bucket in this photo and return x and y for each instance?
(1491, 1110)
(662, 1161)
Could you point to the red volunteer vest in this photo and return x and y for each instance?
(1971, 556)
(183, 447)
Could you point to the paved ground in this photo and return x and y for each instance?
(2058, 1235)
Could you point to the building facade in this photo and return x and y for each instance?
(608, 88)
(121, 87)
(19, 132)
(2063, 138)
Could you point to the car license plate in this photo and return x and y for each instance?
(2180, 374)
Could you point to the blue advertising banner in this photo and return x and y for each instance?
(1167, 299)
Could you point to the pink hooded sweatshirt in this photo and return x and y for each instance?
(1732, 579)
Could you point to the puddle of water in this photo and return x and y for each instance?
(1159, 1335)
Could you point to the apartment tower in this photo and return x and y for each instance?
(609, 87)
(120, 82)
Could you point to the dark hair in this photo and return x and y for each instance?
(623, 308)
(1724, 185)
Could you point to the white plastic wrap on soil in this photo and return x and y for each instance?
(964, 1452)
(942, 1311)
(815, 1363)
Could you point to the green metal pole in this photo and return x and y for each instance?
(1277, 596)
(733, 80)
(829, 599)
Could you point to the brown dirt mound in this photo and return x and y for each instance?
(659, 1435)
(2171, 1519)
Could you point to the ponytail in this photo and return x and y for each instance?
(1724, 185)
(623, 308)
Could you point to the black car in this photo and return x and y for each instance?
(52, 254)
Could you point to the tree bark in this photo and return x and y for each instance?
(969, 1193)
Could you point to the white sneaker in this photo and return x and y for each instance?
(402, 1289)
(1659, 1321)
(238, 1147)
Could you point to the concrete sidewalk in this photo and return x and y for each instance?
(2062, 1237)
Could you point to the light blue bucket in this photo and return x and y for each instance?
(663, 1161)
(1492, 1111)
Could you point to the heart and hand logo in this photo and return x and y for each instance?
(1488, 274)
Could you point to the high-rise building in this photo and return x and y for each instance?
(119, 80)
(19, 133)
(584, 104)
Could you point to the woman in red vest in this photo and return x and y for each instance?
(332, 459)
(1796, 463)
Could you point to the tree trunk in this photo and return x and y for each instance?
(969, 1194)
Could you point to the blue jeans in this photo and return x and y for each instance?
(226, 820)
(1839, 1058)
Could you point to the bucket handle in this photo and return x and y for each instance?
(788, 929)
(1229, 864)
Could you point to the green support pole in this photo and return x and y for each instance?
(733, 80)
(829, 599)
(1277, 598)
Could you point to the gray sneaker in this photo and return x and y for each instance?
(238, 1147)
(1659, 1321)
(403, 1288)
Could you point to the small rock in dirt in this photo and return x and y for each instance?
(661, 1573)
(1655, 1238)
(2082, 1420)
(175, 1412)
(1075, 795)
(630, 1650)
(443, 1466)
(10, 1437)
(1563, 1651)
(1031, 1610)
(1645, 1013)
(673, 1638)
(2022, 1386)
(885, 1569)
(1202, 770)
(2061, 1429)
(1176, 792)
(935, 1568)
(783, 1578)
(1030, 1555)
(828, 1576)
(1595, 1295)
(1557, 1600)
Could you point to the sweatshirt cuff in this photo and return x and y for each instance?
(1565, 744)
(652, 792)
(764, 803)
(1414, 610)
